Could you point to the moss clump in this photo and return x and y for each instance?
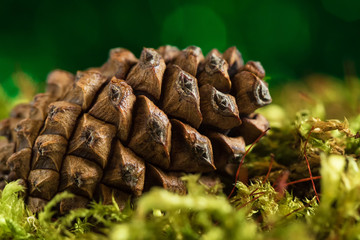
(258, 211)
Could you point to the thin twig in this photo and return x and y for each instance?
(253, 192)
(242, 160)
(270, 166)
(252, 200)
(308, 164)
(302, 180)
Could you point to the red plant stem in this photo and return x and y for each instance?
(253, 192)
(308, 164)
(302, 180)
(270, 166)
(242, 161)
(252, 200)
(298, 209)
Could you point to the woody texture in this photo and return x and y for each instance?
(116, 131)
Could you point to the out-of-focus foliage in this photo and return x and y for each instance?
(26, 88)
(320, 95)
(338, 213)
(198, 215)
(14, 221)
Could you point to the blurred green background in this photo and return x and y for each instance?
(291, 38)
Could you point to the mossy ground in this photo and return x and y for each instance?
(263, 209)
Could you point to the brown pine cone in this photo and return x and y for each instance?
(132, 124)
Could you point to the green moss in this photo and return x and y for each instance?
(256, 212)
(15, 219)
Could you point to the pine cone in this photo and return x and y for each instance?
(133, 124)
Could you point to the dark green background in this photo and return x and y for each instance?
(291, 38)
